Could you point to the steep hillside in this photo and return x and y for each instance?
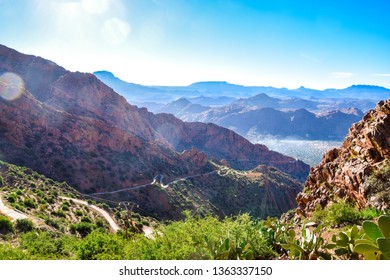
(262, 192)
(358, 171)
(42, 201)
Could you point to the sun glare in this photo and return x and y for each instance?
(11, 86)
(96, 6)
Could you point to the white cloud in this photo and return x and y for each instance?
(381, 75)
(342, 75)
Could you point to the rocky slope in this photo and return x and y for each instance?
(72, 127)
(352, 171)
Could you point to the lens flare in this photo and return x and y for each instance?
(11, 86)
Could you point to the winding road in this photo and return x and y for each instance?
(14, 215)
(155, 181)
(104, 213)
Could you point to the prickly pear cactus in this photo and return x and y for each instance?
(375, 243)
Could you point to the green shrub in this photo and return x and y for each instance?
(66, 203)
(86, 219)
(24, 225)
(378, 185)
(1, 181)
(337, 214)
(46, 245)
(19, 207)
(83, 228)
(101, 246)
(100, 223)
(6, 226)
(19, 192)
(52, 223)
(369, 214)
(29, 203)
(59, 213)
(79, 213)
(12, 197)
(342, 213)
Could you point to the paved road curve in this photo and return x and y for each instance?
(104, 213)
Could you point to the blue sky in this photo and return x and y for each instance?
(317, 44)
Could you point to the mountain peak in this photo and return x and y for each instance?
(368, 87)
(104, 73)
(210, 83)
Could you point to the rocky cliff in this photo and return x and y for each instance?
(352, 171)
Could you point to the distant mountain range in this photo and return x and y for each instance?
(221, 93)
(255, 112)
(262, 115)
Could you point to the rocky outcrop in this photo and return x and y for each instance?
(344, 172)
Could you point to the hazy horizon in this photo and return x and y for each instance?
(244, 85)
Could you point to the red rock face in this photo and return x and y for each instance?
(344, 171)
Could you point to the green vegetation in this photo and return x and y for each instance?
(24, 225)
(344, 243)
(342, 213)
(378, 184)
(375, 243)
(309, 247)
(62, 229)
(6, 226)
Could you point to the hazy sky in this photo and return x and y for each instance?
(317, 44)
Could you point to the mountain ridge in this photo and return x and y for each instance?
(224, 88)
